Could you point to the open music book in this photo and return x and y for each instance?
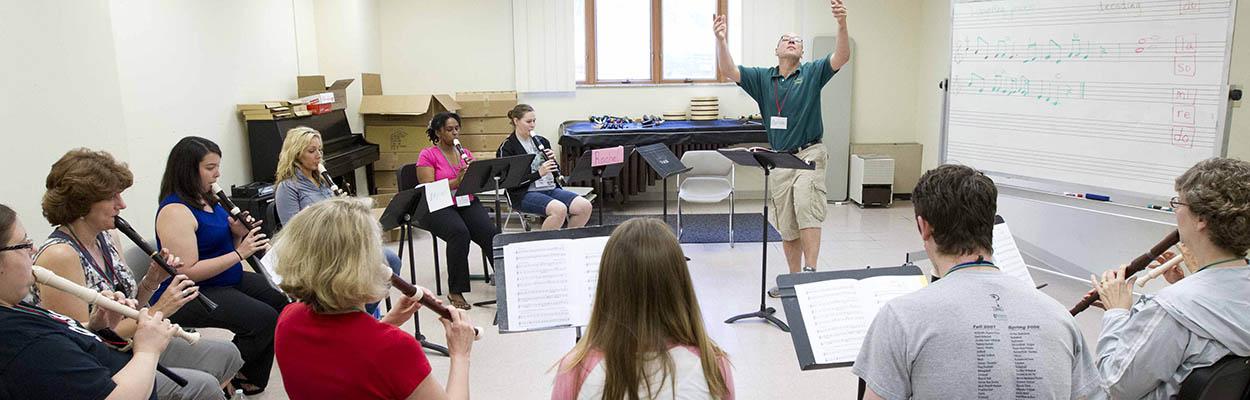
(837, 312)
(752, 149)
(551, 283)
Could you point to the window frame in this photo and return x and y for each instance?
(657, 49)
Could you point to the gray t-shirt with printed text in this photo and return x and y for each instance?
(976, 335)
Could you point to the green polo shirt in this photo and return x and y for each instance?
(798, 96)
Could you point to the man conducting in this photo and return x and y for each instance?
(789, 99)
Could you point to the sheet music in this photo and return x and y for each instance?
(836, 322)
(884, 288)
(537, 284)
(552, 282)
(270, 264)
(1007, 256)
(437, 195)
(837, 312)
(585, 253)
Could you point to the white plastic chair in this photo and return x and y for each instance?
(710, 180)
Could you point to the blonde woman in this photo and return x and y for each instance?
(300, 185)
(326, 346)
(646, 336)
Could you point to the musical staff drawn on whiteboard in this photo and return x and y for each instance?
(1147, 49)
(1112, 132)
(1054, 91)
(1101, 13)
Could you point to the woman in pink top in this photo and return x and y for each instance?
(645, 338)
(467, 219)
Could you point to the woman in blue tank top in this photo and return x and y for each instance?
(192, 225)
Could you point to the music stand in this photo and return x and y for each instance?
(661, 159)
(584, 172)
(504, 172)
(767, 160)
(409, 205)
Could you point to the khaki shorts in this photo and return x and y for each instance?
(799, 199)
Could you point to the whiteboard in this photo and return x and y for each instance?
(1117, 96)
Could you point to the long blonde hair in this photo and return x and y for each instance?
(645, 303)
(297, 139)
(330, 257)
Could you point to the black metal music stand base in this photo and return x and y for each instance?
(437, 348)
(766, 313)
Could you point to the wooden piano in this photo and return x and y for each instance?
(344, 151)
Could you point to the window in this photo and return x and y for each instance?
(650, 41)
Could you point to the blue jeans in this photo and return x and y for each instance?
(535, 202)
(395, 263)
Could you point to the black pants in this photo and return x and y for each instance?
(250, 310)
(457, 226)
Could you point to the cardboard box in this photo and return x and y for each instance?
(400, 110)
(397, 139)
(390, 161)
(485, 126)
(482, 143)
(386, 179)
(314, 84)
(387, 236)
(381, 200)
(485, 104)
(319, 103)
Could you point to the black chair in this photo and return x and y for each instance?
(272, 223)
(1228, 378)
(407, 178)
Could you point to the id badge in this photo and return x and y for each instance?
(777, 123)
(462, 201)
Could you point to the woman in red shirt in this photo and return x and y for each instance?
(326, 345)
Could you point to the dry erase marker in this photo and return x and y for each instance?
(1070, 194)
(1154, 207)
(1098, 197)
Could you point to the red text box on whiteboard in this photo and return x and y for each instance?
(608, 156)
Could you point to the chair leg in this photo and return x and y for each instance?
(438, 276)
(679, 227)
(731, 219)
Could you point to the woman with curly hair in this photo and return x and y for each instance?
(1148, 347)
(463, 222)
(84, 195)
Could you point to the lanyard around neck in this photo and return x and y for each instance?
(109, 273)
(980, 262)
(1221, 262)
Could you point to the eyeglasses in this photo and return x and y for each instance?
(1175, 202)
(26, 245)
(797, 40)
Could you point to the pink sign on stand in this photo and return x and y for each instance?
(608, 156)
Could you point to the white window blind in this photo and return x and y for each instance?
(542, 31)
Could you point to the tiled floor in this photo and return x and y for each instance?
(518, 365)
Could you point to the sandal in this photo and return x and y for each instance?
(458, 301)
(238, 382)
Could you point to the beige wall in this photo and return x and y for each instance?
(887, 40)
(348, 42)
(132, 78)
(62, 92)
